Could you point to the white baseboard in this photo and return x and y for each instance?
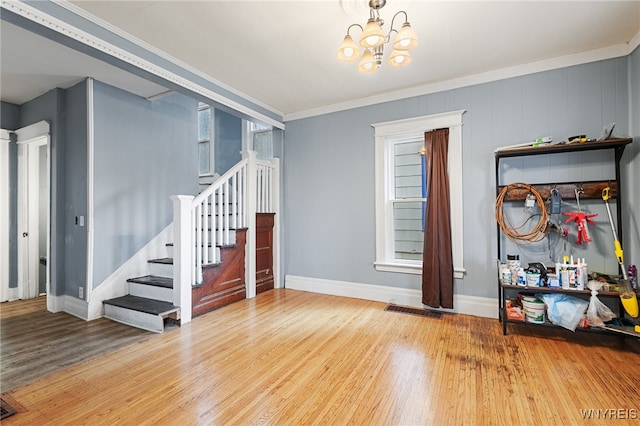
(11, 294)
(469, 305)
(116, 285)
(68, 304)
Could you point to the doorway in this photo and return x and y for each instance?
(33, 210)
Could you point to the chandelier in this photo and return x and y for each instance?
(373, 39)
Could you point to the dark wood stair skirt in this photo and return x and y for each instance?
(224, 283)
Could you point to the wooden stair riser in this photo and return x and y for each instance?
(151, 292)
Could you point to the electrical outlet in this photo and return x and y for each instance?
(81, 292)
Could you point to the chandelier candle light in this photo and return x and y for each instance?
(373, 40)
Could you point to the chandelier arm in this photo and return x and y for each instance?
(406, 19)
(354, 25)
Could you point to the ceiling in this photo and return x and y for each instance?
(281, 54)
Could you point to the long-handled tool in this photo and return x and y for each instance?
(628, 297)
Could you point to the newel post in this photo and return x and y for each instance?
(250, 248)
(275, 208)
(182, 262)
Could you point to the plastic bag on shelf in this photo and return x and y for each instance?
(564, 310)
(597, 312)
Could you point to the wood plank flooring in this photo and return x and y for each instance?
(289, 357)
(36, 343)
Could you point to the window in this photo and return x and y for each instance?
(260, 139)
(400, 198)
(408, 199)
(205, 147)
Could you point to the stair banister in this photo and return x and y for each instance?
(274, 204)
(250, 198)
(183, 248)
(251, 186)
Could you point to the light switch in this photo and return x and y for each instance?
(80, 220)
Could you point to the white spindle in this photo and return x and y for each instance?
(234, 200)
(205, 232)
(241, 192)
(268, 189)
(212, 230)
(199, 278)
(220, 212)
(195, 274)
(227, 239)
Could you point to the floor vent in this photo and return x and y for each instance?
(6, 410)
(414, 311)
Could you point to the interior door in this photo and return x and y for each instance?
(33, 224)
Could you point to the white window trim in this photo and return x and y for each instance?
(385, 134)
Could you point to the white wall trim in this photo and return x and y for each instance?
(5, 139)
(469, 305)
(116, 285)
(66, 29)
(385, 136)
(12, 294)
(90, 184)
(604, 53)
(33, 131)
(68, 304)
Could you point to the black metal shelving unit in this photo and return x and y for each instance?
(593, 190)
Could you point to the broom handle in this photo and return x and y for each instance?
(616, 243)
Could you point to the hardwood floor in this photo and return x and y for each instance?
(36, 343)
(291, 357)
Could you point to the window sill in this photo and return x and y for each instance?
(410, 268)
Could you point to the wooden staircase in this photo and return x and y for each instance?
(149, 304)
(233, 215)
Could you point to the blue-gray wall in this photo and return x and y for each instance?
(75, 188)
(228, 141)
(144, 153)
(329, 231)
(631, 163)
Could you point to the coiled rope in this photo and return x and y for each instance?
(538, 233)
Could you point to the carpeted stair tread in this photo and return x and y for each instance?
(153, 280)
(142, 304)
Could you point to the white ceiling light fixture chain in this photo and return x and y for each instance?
(373, 39)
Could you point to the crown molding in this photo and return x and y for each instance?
(64, 28)
(610, 52)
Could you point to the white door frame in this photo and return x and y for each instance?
(29, 140)
(5, 139)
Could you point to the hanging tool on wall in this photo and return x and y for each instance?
(516, 234)
(581, 219)
(627, 295)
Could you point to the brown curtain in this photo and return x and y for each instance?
(437, 265)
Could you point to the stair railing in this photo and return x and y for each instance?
(217, 211)
(203, 223)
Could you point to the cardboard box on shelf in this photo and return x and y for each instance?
(514, 310)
